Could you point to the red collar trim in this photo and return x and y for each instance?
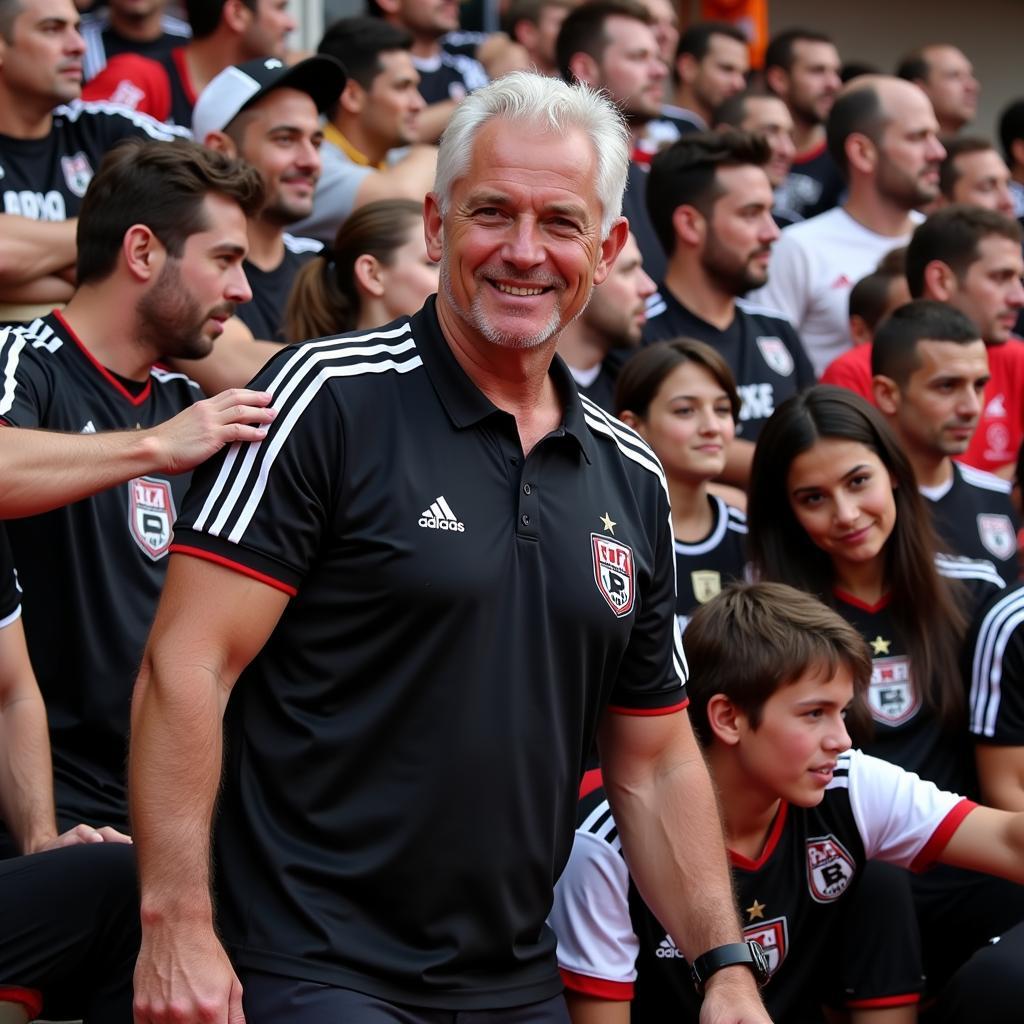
(102, 370)
(811, 154)
(863, 605)
(775, 833)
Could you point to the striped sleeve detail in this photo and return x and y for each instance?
(655, 305)
(619, 991)
(987, 481)
(600, 823)
(13, 617)
(300, 244)
(931, 850)
(627, 440)
(12, 344)
(236, 493)
(737, 520)
(957, 568)
(996, 630)
(150, 125)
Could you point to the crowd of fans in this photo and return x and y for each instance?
(813, 324)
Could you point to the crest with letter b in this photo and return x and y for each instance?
(151, 515)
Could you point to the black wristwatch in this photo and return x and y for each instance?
(750, 954)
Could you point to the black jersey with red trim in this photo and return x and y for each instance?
(10, 592)
(91, 571)
(906, 731)
(761, 347)
(103, 41)
(611, 946)
(160, 87)
(46, 178)
(703, 567)
(461, 618)
(264, 313)
(995, 666)
(973, 514)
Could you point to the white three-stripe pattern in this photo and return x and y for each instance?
(634, 448)
(599, 822)
(996, 630)
(11, 342)
(957, 568)
(297, 383)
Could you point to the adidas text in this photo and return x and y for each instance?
(442, 524)
(441, 517)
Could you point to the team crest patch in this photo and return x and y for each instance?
(996, 533)
(774, 938)
(151, 515)
(892, 695)
(77, 173)
(830, 869)
(707, 583)
(613, 573)
(776, 355)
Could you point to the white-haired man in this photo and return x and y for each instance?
(436, 586)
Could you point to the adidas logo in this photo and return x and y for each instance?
(996, 408)
(842, 281)
(667, 950)
(89, 428)
(440, 517)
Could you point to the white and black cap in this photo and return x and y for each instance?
(321, 77)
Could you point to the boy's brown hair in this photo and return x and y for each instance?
(754, 638)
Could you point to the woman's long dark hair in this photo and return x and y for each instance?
(325, 299)
(923, 604)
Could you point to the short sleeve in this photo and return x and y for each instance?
(263, 508)
(997, 673)
(902, 818)
(597, 947)
(10, 592)
(25, 386)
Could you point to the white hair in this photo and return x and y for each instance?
(549, 104)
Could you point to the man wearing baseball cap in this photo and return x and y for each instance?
(268, 113)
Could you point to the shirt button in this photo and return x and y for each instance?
(527, 489)
(524, 519)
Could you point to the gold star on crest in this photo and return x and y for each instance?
(880, 646)
(608, 523)
(756, 910)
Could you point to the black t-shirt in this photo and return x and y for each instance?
(761, 347)
(634, 209)
(449, 76)
(91, 571)
(995, 667)
(601, 389)
(103, 42)
(46, 179)
(814, 184)
(403, 755)
(10, 592)
(976, 518)
(704, 566)
(264, 314)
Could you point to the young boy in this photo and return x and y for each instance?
(772, 674)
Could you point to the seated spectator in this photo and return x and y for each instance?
(446, 78)
(774, 674)
(1011, 138)
(379, 110)
(50, 146)
(975, 174)
(224, 32)
(711, 64)
(882, 134)
(126, 26)
(947, 78)
(764, 113)
(711, 201)
(610, 327)
(680, 397)
(378, 269)
(930, 368)
(268, 114)
(534, 24)
(162, 236)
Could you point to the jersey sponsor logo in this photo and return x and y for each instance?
(776, 355)
(996, 407)
(842, 281)
(151, 515)
(613, 573)
(36, 205)
(668, 950)
(89, 428)
(996, 533)
(127, 94)
(441, 517)
(707, 583)
(892, 695)
(774, 938)
(77, 172)
(758, 401)
(997, 443)
(830, 868)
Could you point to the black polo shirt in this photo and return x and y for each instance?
(404, 753)
(761, 346)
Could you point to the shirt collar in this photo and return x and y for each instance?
(335, 138)
(467, 405)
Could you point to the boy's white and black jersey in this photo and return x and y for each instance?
(46, 178)
(91, 571)
(703, 567)
(973, 514)
(10, 592)
(761, 346)
(611, 946)
(996, 671)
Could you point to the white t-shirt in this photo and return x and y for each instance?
(814, 265)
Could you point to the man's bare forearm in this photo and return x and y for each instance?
(33, 248)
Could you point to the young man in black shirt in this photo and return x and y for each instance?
(159, 270)
(711, 202)
(930, 369)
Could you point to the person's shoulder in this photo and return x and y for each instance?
(299, 245)
(765, 315)
(175, 383)
(735, 518)
(108, 117)
(981, 480)
(623, 442)
(814, 229)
